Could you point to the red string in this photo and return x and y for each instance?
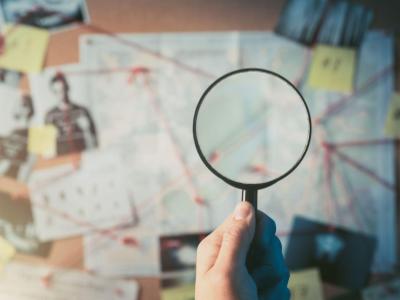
(156, 54)
(371, 174)
(335, 107)
(130, 241)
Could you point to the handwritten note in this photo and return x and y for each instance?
(392, 126)
(24, 48)
(7, 251)
(332, 69)
(305, 285)
(92, 199)
(42, 140)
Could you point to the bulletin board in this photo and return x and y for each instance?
(134, 16)
(141, 16)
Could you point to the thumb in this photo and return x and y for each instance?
(237, 236)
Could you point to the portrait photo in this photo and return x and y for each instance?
(60, 100)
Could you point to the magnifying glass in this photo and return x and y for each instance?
(252, 128)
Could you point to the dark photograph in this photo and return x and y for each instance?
(14, 144)
(178, 252)
(47, 14)
(343, 257)
(17, 227)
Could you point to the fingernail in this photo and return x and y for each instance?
(242, 210)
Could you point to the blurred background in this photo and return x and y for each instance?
(102, 193)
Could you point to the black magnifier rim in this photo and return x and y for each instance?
(240, 185)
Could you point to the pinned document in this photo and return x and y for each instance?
(332, 69)
(7, 252)
(305, 285)
(392, 126)
(24, 48)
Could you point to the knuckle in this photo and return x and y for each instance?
(235, 232)
(202, 246)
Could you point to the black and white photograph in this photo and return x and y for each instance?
(17, 227)
(46, 14)
(74, 124)
(178, 252)
(343, 257)
(178, 261)
(16, 115)
(60, 102)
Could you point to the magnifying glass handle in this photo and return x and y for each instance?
(251, 196)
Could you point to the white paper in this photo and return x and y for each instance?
(131, 252)
(93, 198)
(27, 282)
(167, 195)
(155, 111)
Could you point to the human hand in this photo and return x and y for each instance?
(221, 271)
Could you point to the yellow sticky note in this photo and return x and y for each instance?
(392, 126)
(25, 48)
(182, 292)
(42, 140)
(305, 285)
(332, 68)
(7, 252)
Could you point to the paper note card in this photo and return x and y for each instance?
(88, 200)
(22, 281)
(24, 48)
(128, 252)
(305, 285)
(42, 140)
(332, 69)
(7, 251)
(392, 126)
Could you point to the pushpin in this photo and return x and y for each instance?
(119, 292)
(130, 241)
(214, 156)
(199, 200)
(259, 168)
(46, 280)
(135, 71)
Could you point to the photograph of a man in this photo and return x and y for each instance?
(76, 130)
(13, 147)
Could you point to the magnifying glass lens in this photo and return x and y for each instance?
(252, 127)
